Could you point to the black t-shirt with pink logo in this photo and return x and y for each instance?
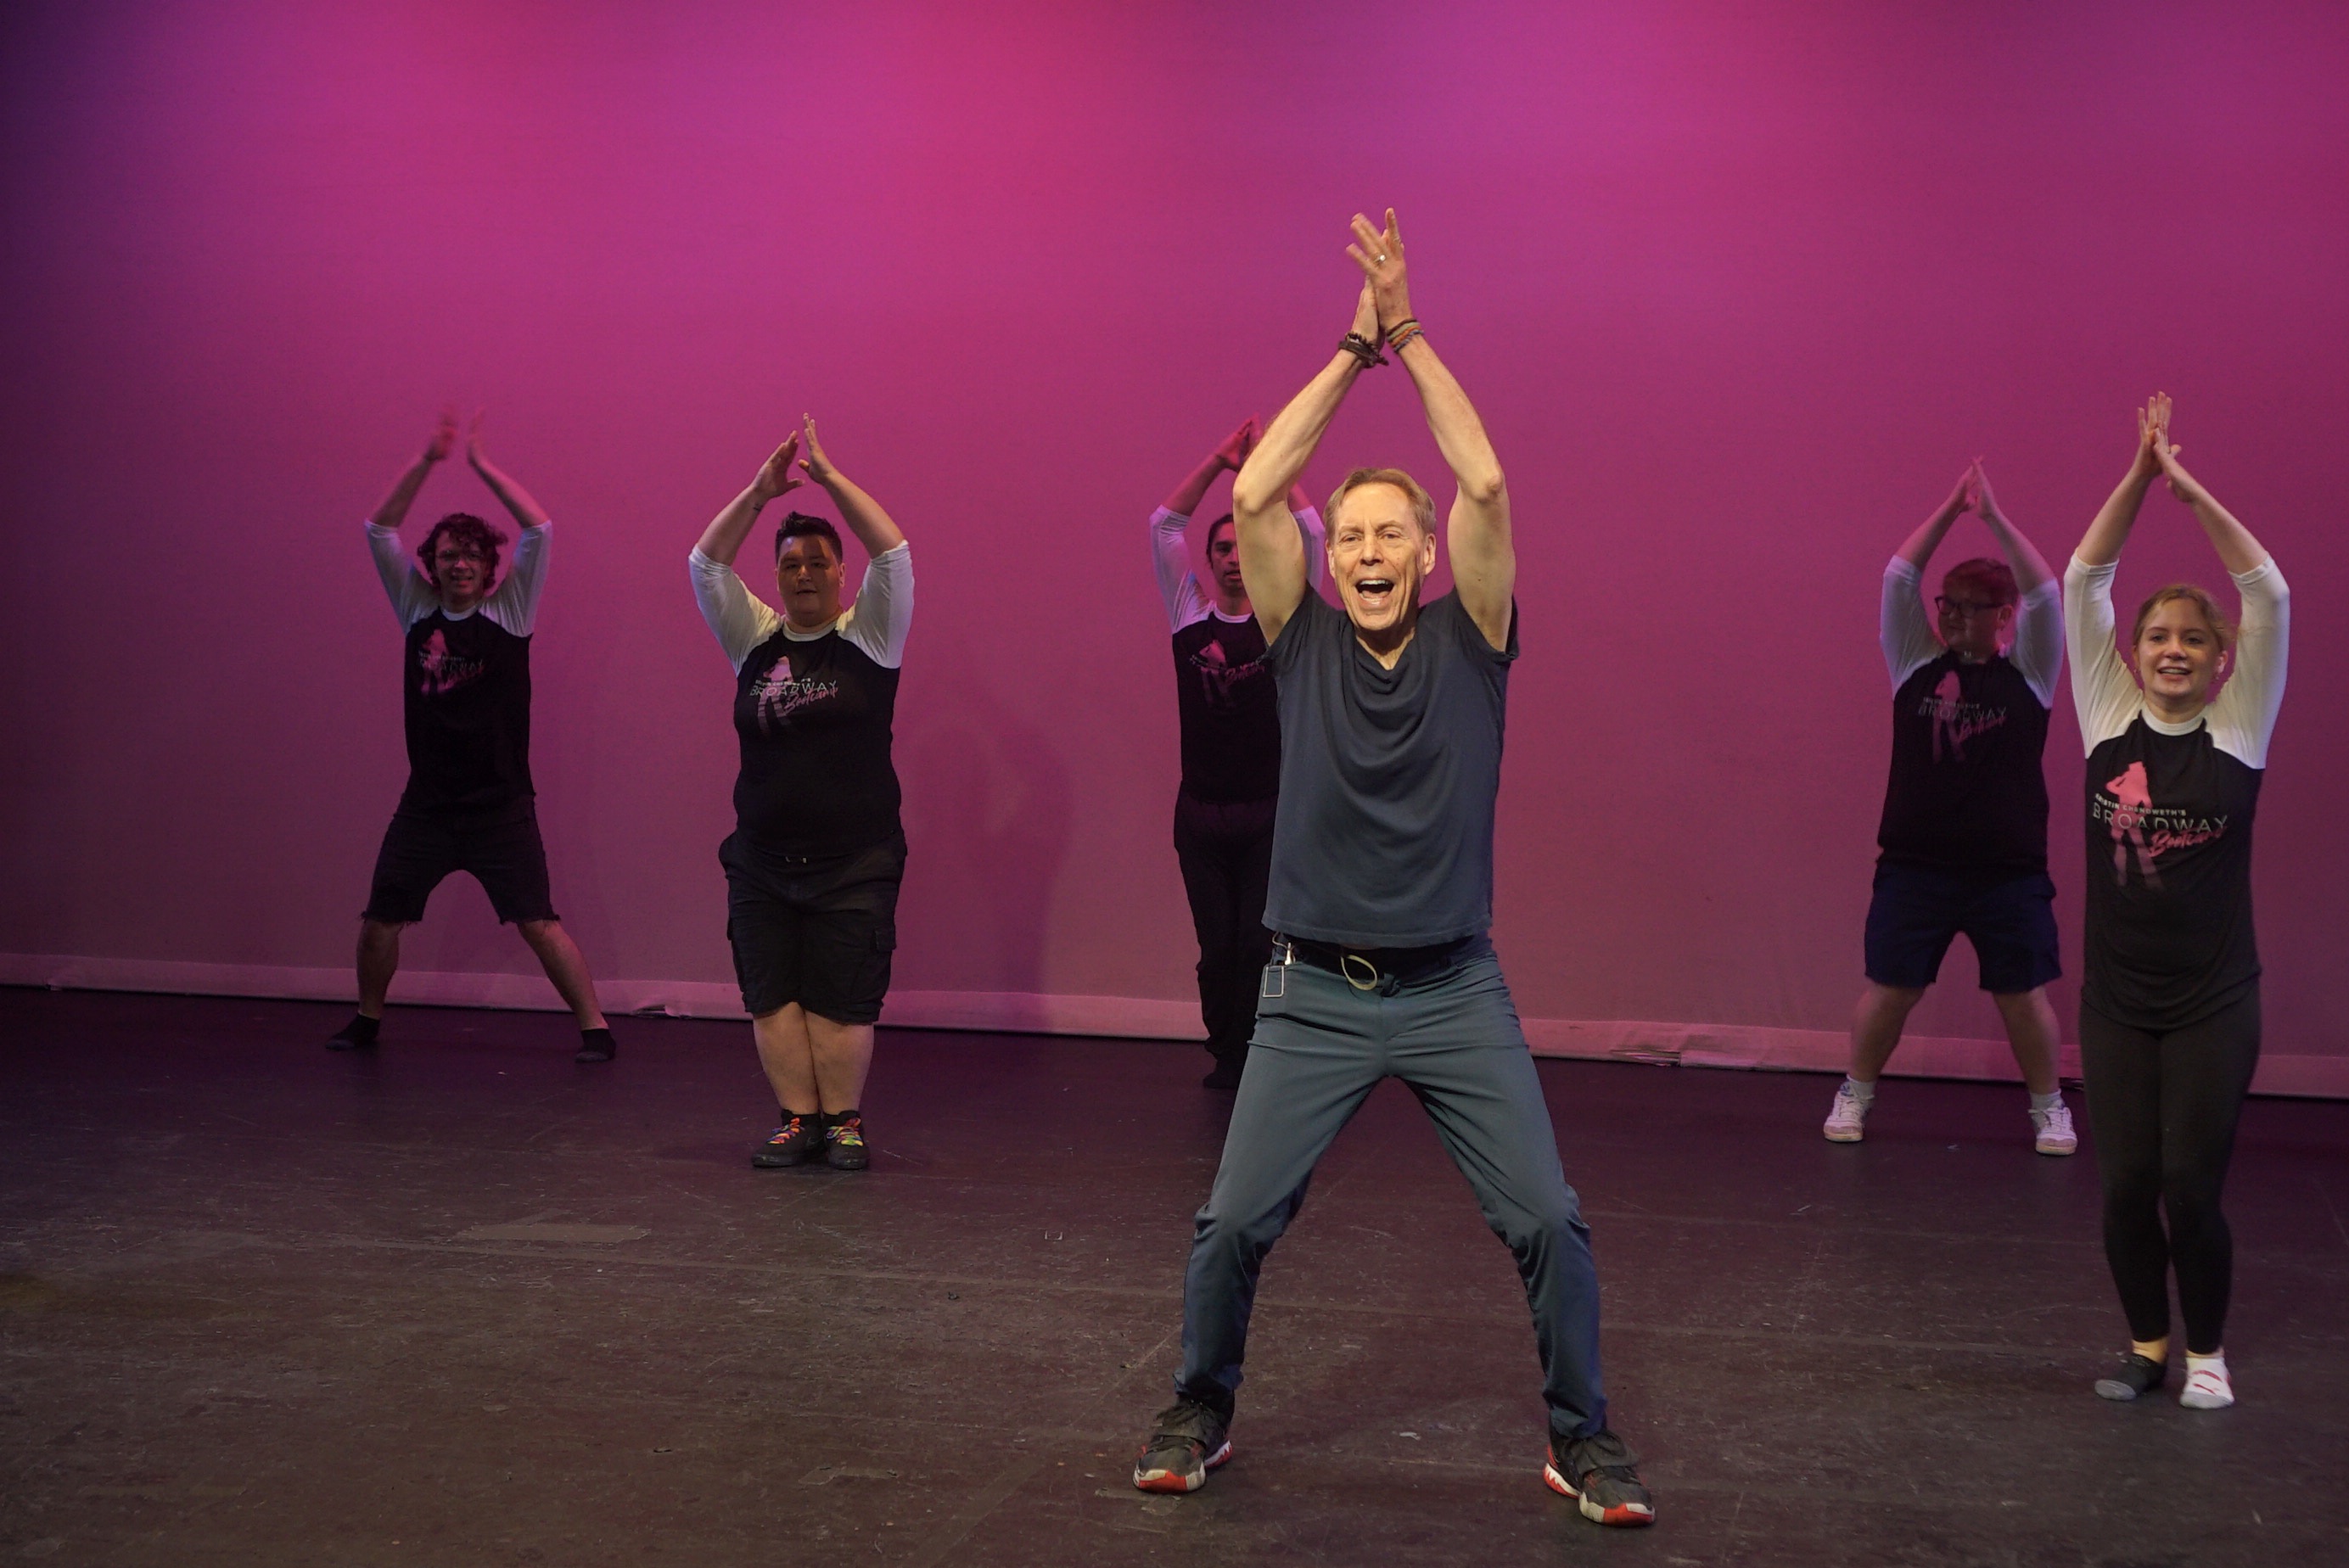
(1966, 792)
(2170, 813)
(2170, 936)
(815, 719)
(1230, 713)
(814, 711)
(465, 679)
(467, 700)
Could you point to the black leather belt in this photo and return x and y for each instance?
(1371, 968)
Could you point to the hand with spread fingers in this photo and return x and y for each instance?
(775, 474)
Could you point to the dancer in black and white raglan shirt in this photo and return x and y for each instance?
(1964, 832)
(1231, 749)
(1392, 715)
(2169, 1002)
(470, 805)
(817, 852)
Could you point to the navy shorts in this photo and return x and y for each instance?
(1917, 910)
(818, 931)
(501, 848)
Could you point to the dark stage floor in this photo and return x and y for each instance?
(465, 1302)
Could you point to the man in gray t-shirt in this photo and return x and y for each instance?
(1382, 891)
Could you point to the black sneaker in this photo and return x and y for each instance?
(1225, 1074)
(1188, 1440)
(2137, 1376)
(596, 1046)
(358, 1035)
(845, 1142)
(793, 1143)
(1597, 1472)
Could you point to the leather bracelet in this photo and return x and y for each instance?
(1404, 333)
(1362, 349)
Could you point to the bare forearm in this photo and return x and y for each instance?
(2237, 551)
(722, 541)
(873, 527)
(1459, 433)
(2101, 545)
(1185, 498)
(512, 496)
(394, 510)
(1919, 547)
(1279, 459)
(2031, 568)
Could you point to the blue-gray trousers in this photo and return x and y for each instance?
(1320, 1046)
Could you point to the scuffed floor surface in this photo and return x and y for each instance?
(461, 1301)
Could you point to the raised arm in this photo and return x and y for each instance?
(722, 541)
(2237, 551)
(1272, 555)
(872, 526)
(394, 510)
(1170, 544)
(2031, 568)
(2101, 545)
(1919, 547)
(512, 496)
(1229, 456)
(1484, 558)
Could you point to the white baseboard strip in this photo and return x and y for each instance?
(1752, 1047)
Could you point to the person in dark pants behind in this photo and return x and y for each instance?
(1390, 721)
(1231, 750)
(1964, 832)
(817, 853)
(469, 805)
(2170, 1003)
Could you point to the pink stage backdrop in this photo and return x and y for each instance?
(1740, 290)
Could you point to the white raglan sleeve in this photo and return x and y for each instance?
(515, 603)
(884, 612)
(1901, 629)
(2039, 640)
(2103, 693)
(1170, 561)
(2243, 717)
(737, 619)
(413, 597)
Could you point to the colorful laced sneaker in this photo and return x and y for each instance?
(1600, 1474)
(2053, 1129)
(1187, 1440)
(845, 1142)
(1847, 1117)
(793, 1143)
(2139, 1376)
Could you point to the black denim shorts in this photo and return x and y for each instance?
(815, 929)
(500, 847)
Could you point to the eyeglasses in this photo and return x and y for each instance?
(1967, 608)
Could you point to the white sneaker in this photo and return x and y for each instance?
(2206, 1388)
(2054, 1129)
(1844, 1120)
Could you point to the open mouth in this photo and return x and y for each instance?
(1373, 593)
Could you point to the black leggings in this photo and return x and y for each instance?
(1225, 852)
(2164, 1107)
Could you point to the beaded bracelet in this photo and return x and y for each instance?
(1404, 333)
(1362, 348)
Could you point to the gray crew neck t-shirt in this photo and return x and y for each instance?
(1387, 779)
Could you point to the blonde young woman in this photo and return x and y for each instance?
(2170, 1003)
